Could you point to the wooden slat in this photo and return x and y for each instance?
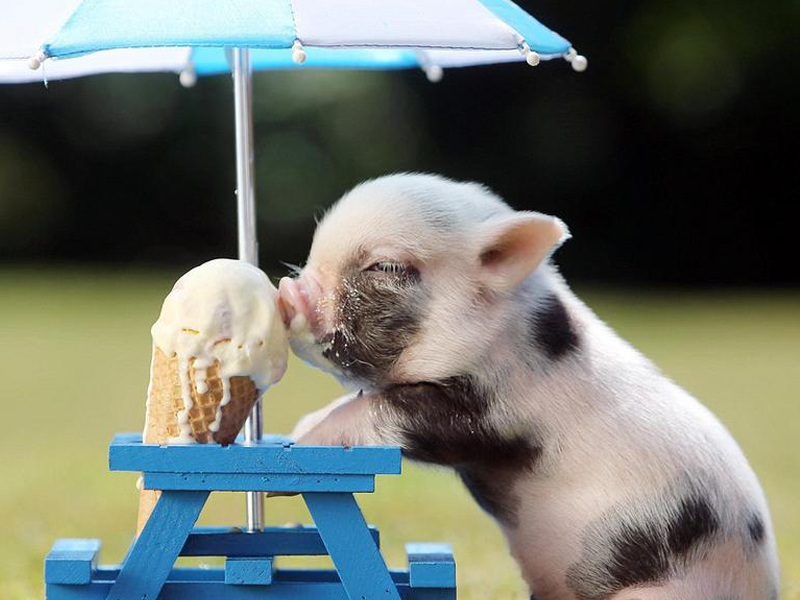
(208, 590)
(246, 482)
(71, 561)
(431, 565)
(248, 571)
(108, 573)
(275, 541)
(128, 455)
(208, 584)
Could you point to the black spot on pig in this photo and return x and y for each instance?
(755, 527)
(377, 316)
(492, 489)
(622, 549)
(447, 423)
(551, 329)
(694, 521)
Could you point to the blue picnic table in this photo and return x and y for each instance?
(326, 477)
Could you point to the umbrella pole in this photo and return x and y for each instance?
(246, 226)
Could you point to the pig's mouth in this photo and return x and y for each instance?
(334, 351)
(307, 335)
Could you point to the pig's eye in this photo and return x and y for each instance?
(388, 267)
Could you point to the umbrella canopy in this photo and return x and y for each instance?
(191, 36)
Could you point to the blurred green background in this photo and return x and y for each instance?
(672, 159)
(75, 368)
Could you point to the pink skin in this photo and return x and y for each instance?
(301, 295)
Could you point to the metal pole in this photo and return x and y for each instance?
(246, 226)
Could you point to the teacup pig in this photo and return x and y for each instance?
(439, 303)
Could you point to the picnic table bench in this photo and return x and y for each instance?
(326, 477)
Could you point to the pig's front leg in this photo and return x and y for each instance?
(349, 421)
(311, 420)
(447, 422)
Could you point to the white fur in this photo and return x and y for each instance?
(616, 428)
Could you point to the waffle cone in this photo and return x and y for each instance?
(165, 401)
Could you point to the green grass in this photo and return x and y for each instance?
(75, 352)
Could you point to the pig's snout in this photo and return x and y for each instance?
(300, 296)
(291, 301)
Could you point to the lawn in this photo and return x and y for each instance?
(75, 350)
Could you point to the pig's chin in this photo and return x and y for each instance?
(312, 352)
(308, 348)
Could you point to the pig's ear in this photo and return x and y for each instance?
(513, 246)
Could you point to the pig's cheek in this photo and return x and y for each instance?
(376, 322)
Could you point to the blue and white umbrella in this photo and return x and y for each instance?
(56, 39)
(190, 36)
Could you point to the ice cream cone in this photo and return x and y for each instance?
(219, 342)
(218, 409)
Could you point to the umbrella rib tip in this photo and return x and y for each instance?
(578, 61)
(531, 57)
(35, 61)
(188, 77)
(434, 73)
(298, 52)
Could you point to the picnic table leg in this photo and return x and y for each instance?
(155, 551)
(348, 541)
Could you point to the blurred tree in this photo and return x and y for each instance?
(672, 158)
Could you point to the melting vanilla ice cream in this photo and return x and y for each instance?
(223, 311)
